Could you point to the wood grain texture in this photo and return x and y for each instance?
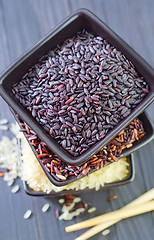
(22, 24)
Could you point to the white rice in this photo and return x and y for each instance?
(15, 189)
(91, 210)
(106, 232)
(9, 156)
(45, 207)
(3, 121)
(61, 201)
(4, 127)
(27, 214)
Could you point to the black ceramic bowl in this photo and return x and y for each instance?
(129, 179)
(81, 19)
(148, 128)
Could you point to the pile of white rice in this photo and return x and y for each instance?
(9, 156)
(35, 177)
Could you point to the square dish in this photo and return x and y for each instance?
(149, 134)
(81, 19)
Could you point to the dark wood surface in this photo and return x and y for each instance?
(22, 24)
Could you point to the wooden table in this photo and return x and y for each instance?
(22, 24)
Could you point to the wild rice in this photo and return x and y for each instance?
(113, 197)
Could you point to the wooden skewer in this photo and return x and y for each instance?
(142, 199)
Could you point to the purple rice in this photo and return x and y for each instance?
(80, 91)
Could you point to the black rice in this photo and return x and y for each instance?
(81, 90)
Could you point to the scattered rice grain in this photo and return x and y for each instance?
(3, 121)
(90, 210)
(15, 189)
(10, 183)
(4, 127)
(78, 199)
(113, 197)
(61, 201)
(106, 232)
(45, 207)
(27, 214)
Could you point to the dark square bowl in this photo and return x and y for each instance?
(148, 128)
(81, 19)
(129, 179)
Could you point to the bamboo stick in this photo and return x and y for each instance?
(118, 214)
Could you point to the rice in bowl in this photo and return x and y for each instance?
(37, 180)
